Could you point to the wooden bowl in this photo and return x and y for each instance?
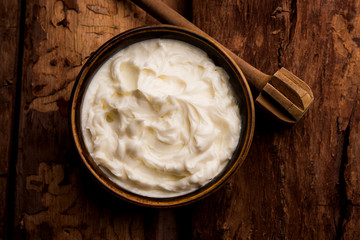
(218, 55)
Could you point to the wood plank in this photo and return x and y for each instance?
(292, 184)
(55, 197)
(9, 35)
(297, 183)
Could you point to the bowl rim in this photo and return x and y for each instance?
(105, 182)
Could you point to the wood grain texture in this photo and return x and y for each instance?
(9, 34)
(297, 183)
(54, 197)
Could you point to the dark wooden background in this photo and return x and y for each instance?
(300, 182)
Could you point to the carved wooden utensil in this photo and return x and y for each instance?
(285, 96)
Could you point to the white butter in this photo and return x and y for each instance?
(160, 119)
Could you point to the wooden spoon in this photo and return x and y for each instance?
(285, 96)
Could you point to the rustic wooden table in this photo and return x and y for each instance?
(299, 182)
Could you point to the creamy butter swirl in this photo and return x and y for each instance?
(160, 118)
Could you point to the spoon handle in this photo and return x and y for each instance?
(285, 96)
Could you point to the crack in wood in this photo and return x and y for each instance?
(279, 11)
(279, 54)
(344, 202)
(98, 10)
(9, 215)
(293, 21)
(104, 26)
(98, 33)
(50, 103)
(342, 185)
(71, 5)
